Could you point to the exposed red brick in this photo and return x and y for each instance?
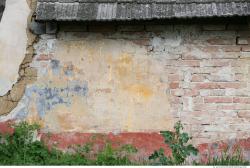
(202, 106)
(218, 100)
(219, 85)
(203, 147)
(244, 114)
(192, 92)
(245, 143)
(209, 150)
(44, 57)
(235, 85)
(208, 85)
(174, 85)
(246, 48)
(245, 100)
(227, 107)
(5, 127)
(197, 78)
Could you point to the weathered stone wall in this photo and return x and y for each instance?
(141, 78)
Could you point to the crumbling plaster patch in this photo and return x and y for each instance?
(13, 42)
(82, 102)
(16, 45)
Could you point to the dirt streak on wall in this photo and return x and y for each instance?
(26, 73)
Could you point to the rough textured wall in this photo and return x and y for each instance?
(141, 79)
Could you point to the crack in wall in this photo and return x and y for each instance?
(27, 74)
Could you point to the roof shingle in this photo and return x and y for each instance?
(102, 10)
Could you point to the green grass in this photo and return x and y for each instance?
(22, 148)
(227, 159)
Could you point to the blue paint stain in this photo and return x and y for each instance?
(22, 114)
(81, 90)
(48, 97)
(41, 108)
(69, 72)
(55, 66)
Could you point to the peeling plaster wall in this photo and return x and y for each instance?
(141, 78)
(104, 99)
(13, 42)
(26, 74)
